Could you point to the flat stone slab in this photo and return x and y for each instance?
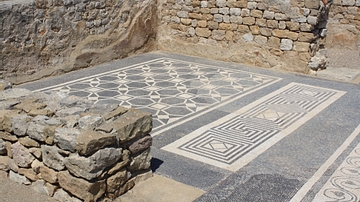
(161, 189)
(339, 74)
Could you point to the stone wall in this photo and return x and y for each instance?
(279, 34)
(69, 148)
(344, 25)
(39, 38)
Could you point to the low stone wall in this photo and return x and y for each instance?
(344, 25)
(279, 34)
(70, 149)
(39, 38)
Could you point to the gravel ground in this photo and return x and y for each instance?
(13, 192)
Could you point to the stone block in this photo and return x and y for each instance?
(293, 26)
(202, 23)
(125, 160)
(301, 46)
(218, 34)
(82, 189)
(21, 155)
(14, 93)
(36, 131)
(305, 27)
(13, 166)
(19, 124)
(256, 13)
(248, 37)
(282, 25)
(348, 2)
(285, 34)
(28, 142)
(224, 11)
(182, 14)
(306, 37)
(185, 22)
(128, 185)
(36, 152)
(272, 24)
(140, 161)
(265, 31)
(18, 178)
(261, 22)
(88, 142)
(52, 158)
(116, 181)
(243, 28)
(213, 25)
(202, 32)
(197, 16)
(30, 105)
(93, 166)
(5, 119)
(141, 145)
(248, 20)
(252, 5)
(35, 165)
(269, 15)
(8, 136)
(48, 174)
(235, 11)
(312, 4)
(220, 3)
(90, 122)
(229, 35)
(312, 20)
(280, 16)
(40, 186)
(245, 12)
(28, 173)
(255, 30)
(136, 123)
(65, 138)
(286, 44)
(261, 40)
(237, 3)
(224, 26)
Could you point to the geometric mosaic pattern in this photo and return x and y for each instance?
(167, 88)
(344, 184)
(227, 140)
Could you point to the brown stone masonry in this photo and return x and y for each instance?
(70, 149)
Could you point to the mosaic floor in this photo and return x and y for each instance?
(206, 124)
(167, 88)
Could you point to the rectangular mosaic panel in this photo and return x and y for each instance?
(171, 90)
(234, 140)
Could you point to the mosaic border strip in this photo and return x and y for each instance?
(320, 172)
(174, 91)
(262, 123)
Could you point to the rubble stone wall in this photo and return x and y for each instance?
(71, 149)
(39, 38)
(344, 25)
(279, 34)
